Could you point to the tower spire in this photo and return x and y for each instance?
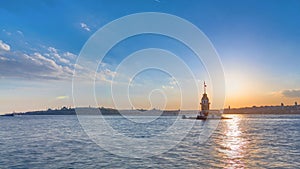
(204, 87)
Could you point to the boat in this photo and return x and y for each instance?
(9, 115)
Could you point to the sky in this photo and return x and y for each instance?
(258, 43)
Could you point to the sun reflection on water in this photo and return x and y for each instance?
(233, 144)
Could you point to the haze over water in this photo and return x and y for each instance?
(246, 141)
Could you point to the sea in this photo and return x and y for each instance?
(244, 141)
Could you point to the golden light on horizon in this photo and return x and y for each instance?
(238, 89)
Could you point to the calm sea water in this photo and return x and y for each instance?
(245, 141)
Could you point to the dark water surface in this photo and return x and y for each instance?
(245, 141)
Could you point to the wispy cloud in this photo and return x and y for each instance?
(85, 26)
(291, 93)
(20, 32)
(167, 87)
(172, 84)
(54, 53)
(62, 97)
(33, 66)
(69, 55)
(4, 46)
(47, 63)
(3, 58)
(52, 49)
(106, 75)
(6, 32)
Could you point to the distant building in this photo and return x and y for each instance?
(205, 102)
(282, 106)
(205, 112)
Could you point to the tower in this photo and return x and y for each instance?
(204, 101)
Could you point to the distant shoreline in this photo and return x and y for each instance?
(295, 109)
(282, 110)
(95, 111)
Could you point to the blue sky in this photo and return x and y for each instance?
(258, 43)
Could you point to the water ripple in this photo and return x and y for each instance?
(248, 141)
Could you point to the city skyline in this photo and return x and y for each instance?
(257, 42)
